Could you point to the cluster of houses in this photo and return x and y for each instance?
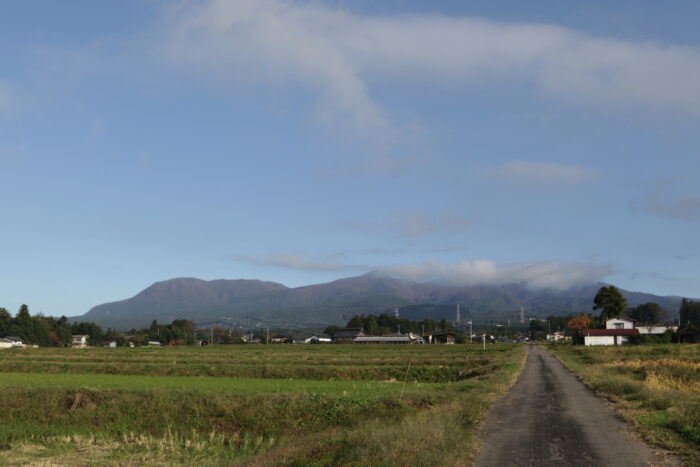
(342, 336)
(620, 329)
(358, 336)
(78, 342)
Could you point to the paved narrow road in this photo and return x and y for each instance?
(550, 418)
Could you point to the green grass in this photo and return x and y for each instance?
(228, 385)
(343, 404)
(655, 387)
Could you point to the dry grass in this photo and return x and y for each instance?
(655, 387)
(104, 423)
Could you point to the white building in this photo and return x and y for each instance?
(79, 341)
(618, 331)
(656, 329)
(319, 338)
(557, 336)
(608, 336)
(11, 342)
(620, 322)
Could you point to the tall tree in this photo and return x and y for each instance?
(5, 321)
(372, 326)
(690, 312)
(648, 313)
(610, 301)
(24, 323)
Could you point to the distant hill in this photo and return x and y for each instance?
(247, 303)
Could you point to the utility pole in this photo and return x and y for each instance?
(267, 338)
(483, 337)
(470, 331)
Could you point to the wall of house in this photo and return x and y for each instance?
(655, 329)
(612, 324)
(599, 340)
(605, 340)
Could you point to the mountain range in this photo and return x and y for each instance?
(250, 303)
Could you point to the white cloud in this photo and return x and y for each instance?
(540, 274)
(336, 54)
(291, 261)
(540, 173)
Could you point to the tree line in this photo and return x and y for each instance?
(387, 324)
(46, 331)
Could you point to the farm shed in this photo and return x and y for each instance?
(407, 339)
(347, 335)
(608, 336)
(440, 338)
(656, 329)
(318, 338)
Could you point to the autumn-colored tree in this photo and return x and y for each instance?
(578, 323)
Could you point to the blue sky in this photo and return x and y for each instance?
(549, 142)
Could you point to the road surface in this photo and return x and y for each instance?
(550, 418)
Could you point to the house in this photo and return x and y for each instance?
(440, 338)
(395, 339)
(109, 343)
(281, 339)
(318, 339)
(6, 343)
(11, 342)
(618, 331)
(558, 336)
(79, 341)
(347, 335)
(619, 322)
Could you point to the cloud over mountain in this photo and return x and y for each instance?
(540, 274)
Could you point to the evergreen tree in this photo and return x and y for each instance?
(372, 326)
(610, 301)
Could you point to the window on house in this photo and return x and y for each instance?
(619, 325)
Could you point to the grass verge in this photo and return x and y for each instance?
(654, 387)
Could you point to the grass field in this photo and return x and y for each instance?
(263, 405)
(655, 387)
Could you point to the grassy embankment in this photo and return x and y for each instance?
(655, 387)
(321, 404)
